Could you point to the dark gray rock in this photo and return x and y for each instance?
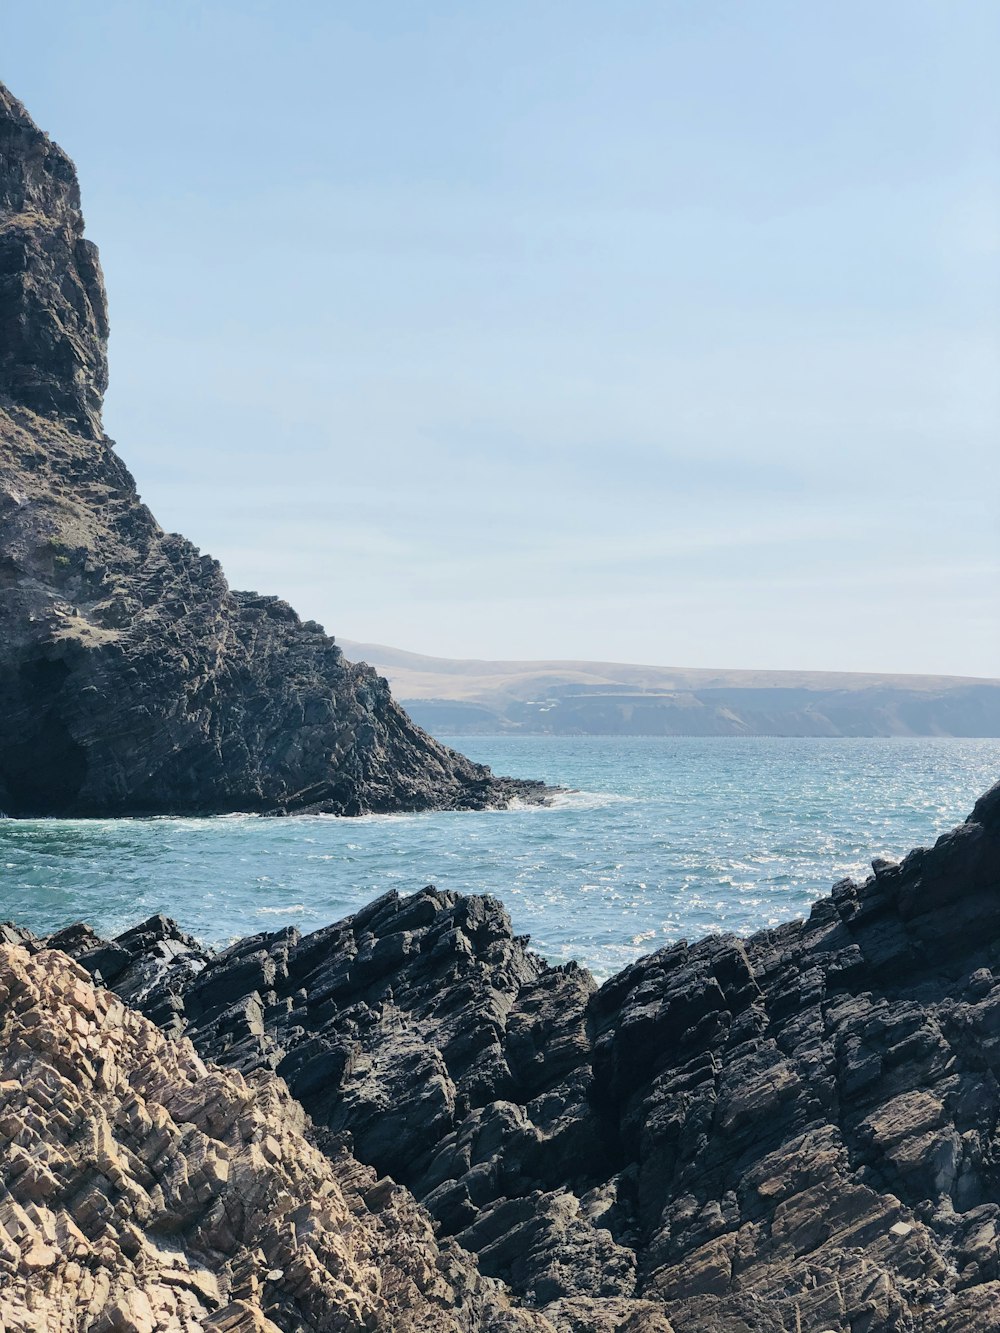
(794, 1130)
(53, 309)
(133, 680)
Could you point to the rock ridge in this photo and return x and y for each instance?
(792, 1131)
(133, 680)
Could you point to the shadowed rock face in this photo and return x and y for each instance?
(797, 1130)
(132, 678)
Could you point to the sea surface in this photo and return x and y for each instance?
(655, 840)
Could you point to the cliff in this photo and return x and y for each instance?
(793, 1131)
(132, 678)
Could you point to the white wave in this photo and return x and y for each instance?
(571, 799)
(350, 820)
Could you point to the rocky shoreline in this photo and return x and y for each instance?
(133, 679)
(796, 1131)
(408, 1120)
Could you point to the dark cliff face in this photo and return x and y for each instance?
(795, 1131)
(53, 311)
(132, 678)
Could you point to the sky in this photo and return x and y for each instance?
(660, 332)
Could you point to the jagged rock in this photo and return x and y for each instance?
(797, 1130)
(132, 678)
(145, 1192)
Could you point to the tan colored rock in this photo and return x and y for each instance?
(145, 1192)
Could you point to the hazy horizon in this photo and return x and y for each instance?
(665, 334)
(394, 655)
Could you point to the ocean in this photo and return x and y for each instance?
(654, 840)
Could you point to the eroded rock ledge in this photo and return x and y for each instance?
(133, 679)
(794, 1131)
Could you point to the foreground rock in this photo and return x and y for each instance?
(132, 678)
(795, 1131)
(143, 1191)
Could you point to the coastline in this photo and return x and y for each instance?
(791, 1126)
(612, 1070)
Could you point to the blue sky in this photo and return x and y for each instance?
(661, 332)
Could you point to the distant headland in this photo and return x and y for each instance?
(466, 696)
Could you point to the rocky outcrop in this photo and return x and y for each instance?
(53, 309)
(794, 1131)
(144, 1191)
(132, 678)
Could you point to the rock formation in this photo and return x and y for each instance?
(132, 678)
(143, 1191)
(797, 1131)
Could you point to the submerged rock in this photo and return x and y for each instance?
(794, 1131)
(133, 680)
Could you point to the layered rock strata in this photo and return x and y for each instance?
(144, 1191)
(133, 680)
(797, 1131)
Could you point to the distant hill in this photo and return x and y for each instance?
(450, 696)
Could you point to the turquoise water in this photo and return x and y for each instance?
(660, 839)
